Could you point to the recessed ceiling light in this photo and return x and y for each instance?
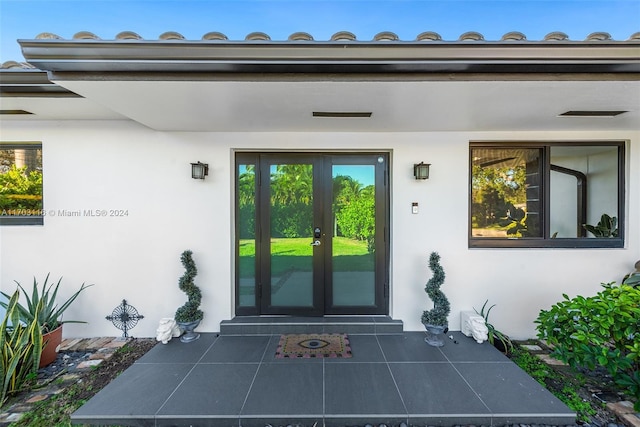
(347, 114)
(592, 113)
(14, 112)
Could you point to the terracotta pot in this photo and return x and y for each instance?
(50, 344)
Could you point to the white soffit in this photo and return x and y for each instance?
(396, 106)
(56, 109)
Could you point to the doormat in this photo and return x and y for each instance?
(313, 346)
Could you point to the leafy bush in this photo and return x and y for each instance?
(20, 189)
(189, 312)
(20, 347)
(357, 218)
(602, 330)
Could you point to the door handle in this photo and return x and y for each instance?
(316, 243)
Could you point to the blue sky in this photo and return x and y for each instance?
(24, 19)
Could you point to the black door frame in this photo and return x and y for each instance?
(322, 260)
(266, 160)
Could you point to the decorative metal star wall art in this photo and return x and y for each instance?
(124, 317)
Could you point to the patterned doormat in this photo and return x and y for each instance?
(313, 345)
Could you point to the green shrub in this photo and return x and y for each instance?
(20, 189)
(20, 347)
(602, 330)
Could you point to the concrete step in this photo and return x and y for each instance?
(274, 325)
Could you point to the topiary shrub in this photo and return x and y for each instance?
(439, 314)
(602, 330)
(190, 311)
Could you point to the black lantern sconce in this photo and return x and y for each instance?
(421, 170)
(199, 170)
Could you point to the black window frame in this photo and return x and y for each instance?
(547, 241)
(6, 220)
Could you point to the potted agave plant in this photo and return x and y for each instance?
(43, 307)
(435, 320)
(498, 339)
(189, 315)
(20, 349)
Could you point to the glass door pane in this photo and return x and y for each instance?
(291, 235)
(353, 235)
(311, 234)
(246, 230)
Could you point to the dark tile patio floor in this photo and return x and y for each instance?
(233, 380)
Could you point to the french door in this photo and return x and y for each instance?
(312, 233)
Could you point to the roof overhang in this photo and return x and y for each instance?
(30, 83)
(258, 86)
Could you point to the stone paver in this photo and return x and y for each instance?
(101, 342)
(531, 347)
(67, 344)
(116, 343)
(101, 349)
(37, 398)
(90, 363)
(101, 355)
(624, 410)
(550, 360)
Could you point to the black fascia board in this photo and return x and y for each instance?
(30, 83)
(180, 56)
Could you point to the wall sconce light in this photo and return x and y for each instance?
(199, 170)
(421, 170)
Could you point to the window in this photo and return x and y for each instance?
(548, 194)
(21, 184)
(246, 232)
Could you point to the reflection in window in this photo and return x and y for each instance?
(353, 242)
(291, 230)
(506, 193)
(583, 185)
(21, 184)
(246, 229)
(546, 194)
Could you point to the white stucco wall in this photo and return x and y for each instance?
(113, 165)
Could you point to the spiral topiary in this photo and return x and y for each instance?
(189, 312)
(438, 315)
